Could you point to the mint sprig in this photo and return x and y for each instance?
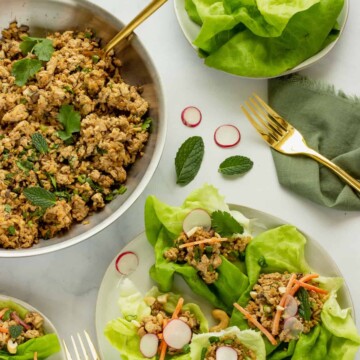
(304, 306)
(70, 119)
(40, 143)
(188, 159)
(235, 165)
(40, 197)
(224, 224)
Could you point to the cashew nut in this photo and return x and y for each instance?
(223, 318)
(12, 346)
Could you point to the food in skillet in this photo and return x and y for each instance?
(70, 128)
(22, 334)
(203, 242)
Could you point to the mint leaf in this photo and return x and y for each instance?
(304, 307)
(234, 165)
(188, 159)
(7, 208)
(24, 69)
(224, 224)
(43, 48)
(40, 143)
(15, 331)
(262, 262)
(40, 197)
(70, 119)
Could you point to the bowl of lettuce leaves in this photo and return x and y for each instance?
(261, 39)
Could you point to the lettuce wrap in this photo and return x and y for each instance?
(262, 38)
(122, 332)
(44, 346)
(163, 224)
(335, 337)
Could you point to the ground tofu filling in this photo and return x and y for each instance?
(266, 296)
(84, 172)
(206, 257)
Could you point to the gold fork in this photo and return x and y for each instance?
(84, 350)
(283, 137)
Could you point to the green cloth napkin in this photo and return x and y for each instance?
(330, 123)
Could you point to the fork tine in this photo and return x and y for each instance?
(67, 354)
(86, 357)
(75, 348)
(276, 117)
(268, 135)
(91, 346)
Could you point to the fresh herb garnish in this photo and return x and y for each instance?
(186, 349)
(213, 339)
(93, 185)
(68, 89)
(11, 230)
(235, 165)
(70, 119)
(146, 124)
(188, 159)
(25, 165)
(24, 69)
(304, 307)
(7, 208)
(15, 331)
(41, 47)
(224, 224)
(40, 143)
(6, 316)
(95, 59)
(40, 197)
(203, 353)
(262, 262)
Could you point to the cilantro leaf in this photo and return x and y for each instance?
(40, 143)
(42, 47)
(24, 69)
(40, 197)
(70, 119)
(304, 307)
(224, 224)
(146, 124)
(234, 165)
(15, 331)
(188, 159)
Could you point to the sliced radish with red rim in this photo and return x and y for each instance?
(177, 334)
(291, 307)
(191, 116)
(197, 218)
(227, 136)
(226, 353)
(294, 327)
(126, 262)
(149, 345)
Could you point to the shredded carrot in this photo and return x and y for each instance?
(3, 330)
(256, 323)
(163, 345)
(178, 308)
(3, 311)
(204, 241)
(311, 287)
(279, 309)
(160, 336)
(304, 279)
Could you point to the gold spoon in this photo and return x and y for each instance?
(126, 31)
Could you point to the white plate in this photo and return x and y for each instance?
(107, 308)
(48, 326)
(191, 30)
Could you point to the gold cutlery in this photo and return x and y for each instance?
(283, 137)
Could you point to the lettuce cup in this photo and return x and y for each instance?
(295, 309)
(203, 242)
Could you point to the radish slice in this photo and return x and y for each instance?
(226, 353)
(294, 327)
(291, 307)
(17, 319)
(126, 262)
(191, 116)
(197, 218)
(177, 334)
(227, 136)
(149, 345)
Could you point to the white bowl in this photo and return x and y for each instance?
(56, 15)
(191, 30)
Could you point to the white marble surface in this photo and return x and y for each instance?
(64, 284)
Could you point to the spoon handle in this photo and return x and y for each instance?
(126, 31)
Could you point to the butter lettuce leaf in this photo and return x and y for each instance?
(163, 224)
(336, 337)
(262, 38)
